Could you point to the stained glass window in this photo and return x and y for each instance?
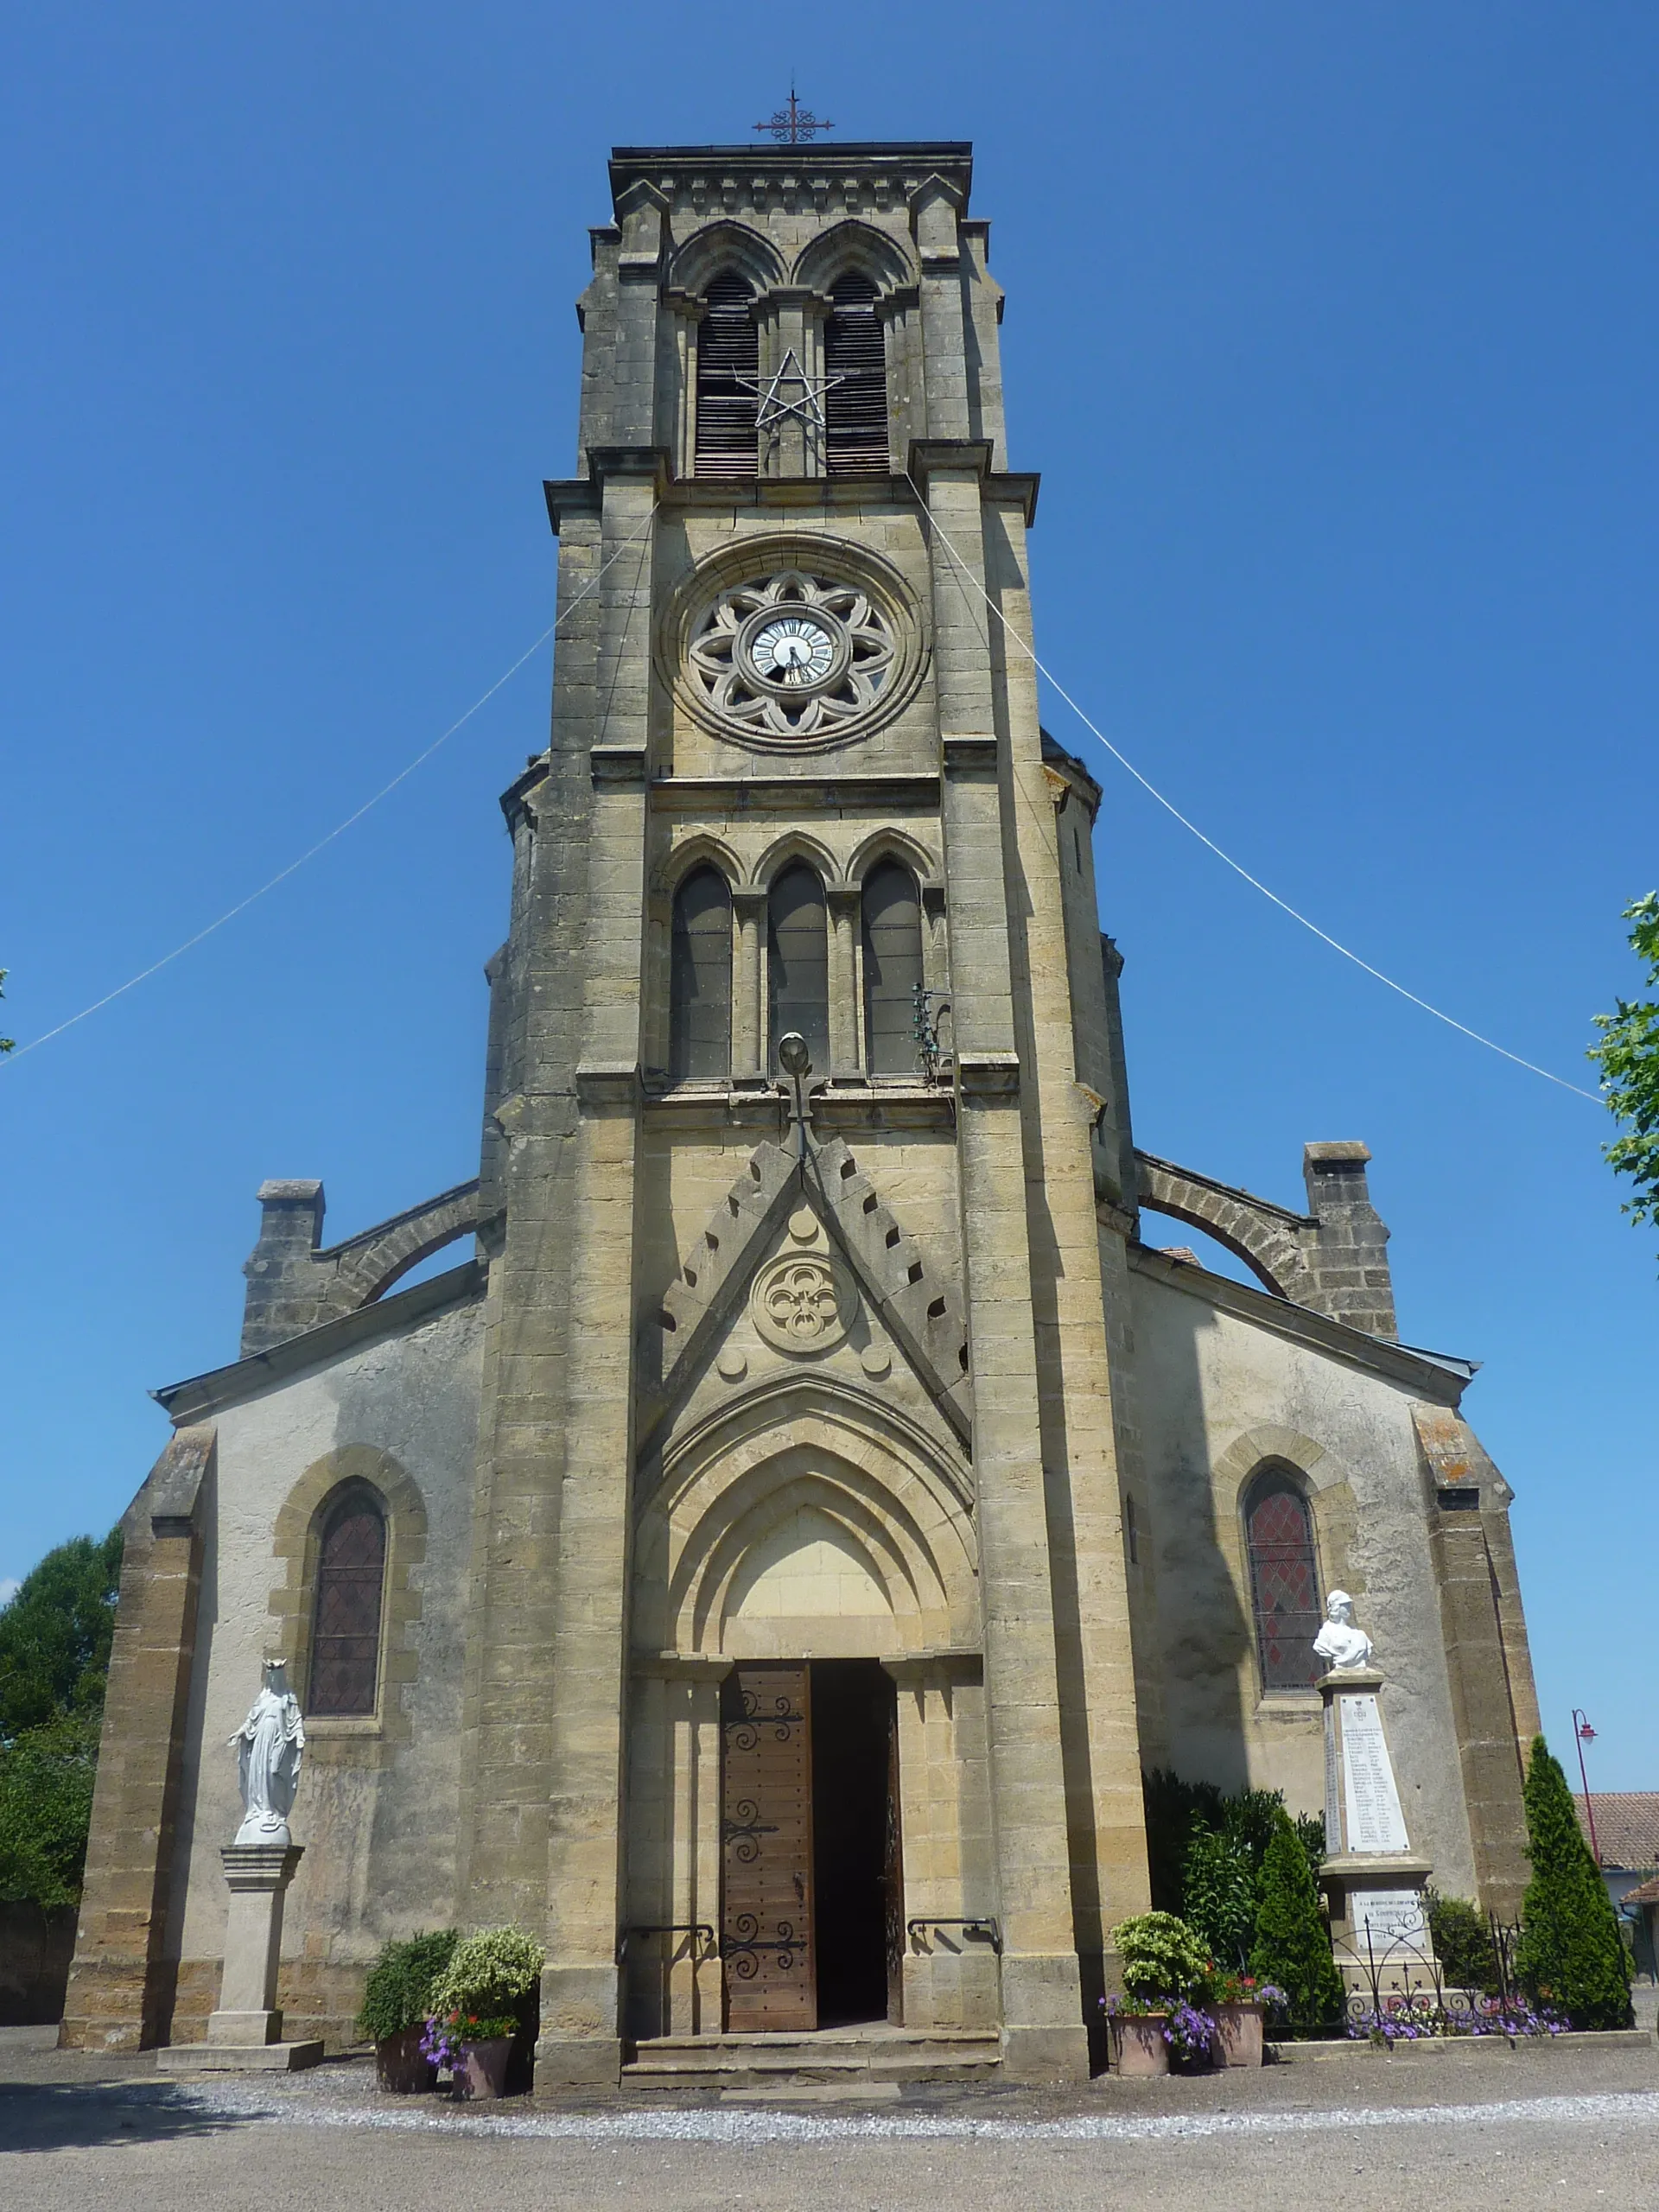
(346, 1632)
(1284, 1582)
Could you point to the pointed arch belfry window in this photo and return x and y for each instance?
(728, 367)
(855, 407)
(798, 963)
(700, 983)
(1284, 1580)
(893, 968)
(351, 1587)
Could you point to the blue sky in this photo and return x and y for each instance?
(1333, 332)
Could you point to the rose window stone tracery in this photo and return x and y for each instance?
(802, 1302)
(791, 655)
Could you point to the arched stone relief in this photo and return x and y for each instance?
(797, 1467)
(855, 246)
(726, 245)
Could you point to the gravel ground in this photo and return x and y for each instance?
(1561, 2127)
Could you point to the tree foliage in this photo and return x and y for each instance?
(7, 1043)
(1205, 1849)
(55, 1635)
(1628, 1056)
(1570, 1953)
(1293, 1944)
(46, 1806)
(1463, 1942)
(54, 1656)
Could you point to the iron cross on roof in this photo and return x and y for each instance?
(792, 125)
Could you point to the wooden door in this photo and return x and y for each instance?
(765, 1833)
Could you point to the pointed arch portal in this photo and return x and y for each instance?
(806, 1751)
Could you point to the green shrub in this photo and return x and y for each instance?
(1219, 1879)
(1463, 1943)
(1570, 1954)
(398, 1993)
(1161, 1956)
(45, 1809)
(1293, 1944)
(489, 1972)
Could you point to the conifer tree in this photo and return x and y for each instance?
(1570, 1954)
(1293, 1946)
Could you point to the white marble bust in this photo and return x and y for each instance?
(1341, 1644)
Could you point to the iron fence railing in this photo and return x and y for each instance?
(1400, 1979)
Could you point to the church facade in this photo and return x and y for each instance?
(764, 1566)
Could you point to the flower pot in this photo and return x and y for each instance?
(1239, 2034)
(1138, 2038)
(483, 2069)
(401, 2065)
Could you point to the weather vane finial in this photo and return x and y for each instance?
(793, 124)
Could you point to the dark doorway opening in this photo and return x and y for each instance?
(855, 1874)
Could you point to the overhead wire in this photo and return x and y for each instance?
(341, 827)
(1238, 867)
(965, 573)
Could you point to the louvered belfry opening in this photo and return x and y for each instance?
(345, 1631)
(728, 351)
(855, 409)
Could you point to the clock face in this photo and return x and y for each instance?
(793, 651)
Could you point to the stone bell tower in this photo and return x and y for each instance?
(782, 1398)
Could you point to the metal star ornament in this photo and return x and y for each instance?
(774, 408)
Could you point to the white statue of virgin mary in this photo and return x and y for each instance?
(269, 1745)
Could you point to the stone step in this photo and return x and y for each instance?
(836, 2057)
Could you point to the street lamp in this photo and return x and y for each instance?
(1586, 1734)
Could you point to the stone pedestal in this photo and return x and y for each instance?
(1372, 1879)
(245, 2034)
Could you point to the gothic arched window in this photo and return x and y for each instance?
(728, 367)
(893, 968)
(346, 1625)
(855, 408)
(700, 982)
(1284, 1581)
(798, 963)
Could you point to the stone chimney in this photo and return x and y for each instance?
(281, 1279)
(1349, 1256)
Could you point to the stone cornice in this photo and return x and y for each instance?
(200, 1395)
(795, 794)
(1434, 1375)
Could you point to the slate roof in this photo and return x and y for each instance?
(1627, 1827)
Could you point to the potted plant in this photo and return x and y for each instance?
(1135, 2025)
(396, 2001)
(1165, 1969)
(476, 2003)
(1240, 2006)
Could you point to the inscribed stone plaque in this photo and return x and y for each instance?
(1391, 1916)
(1332, 1782)
(1371, 1799)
